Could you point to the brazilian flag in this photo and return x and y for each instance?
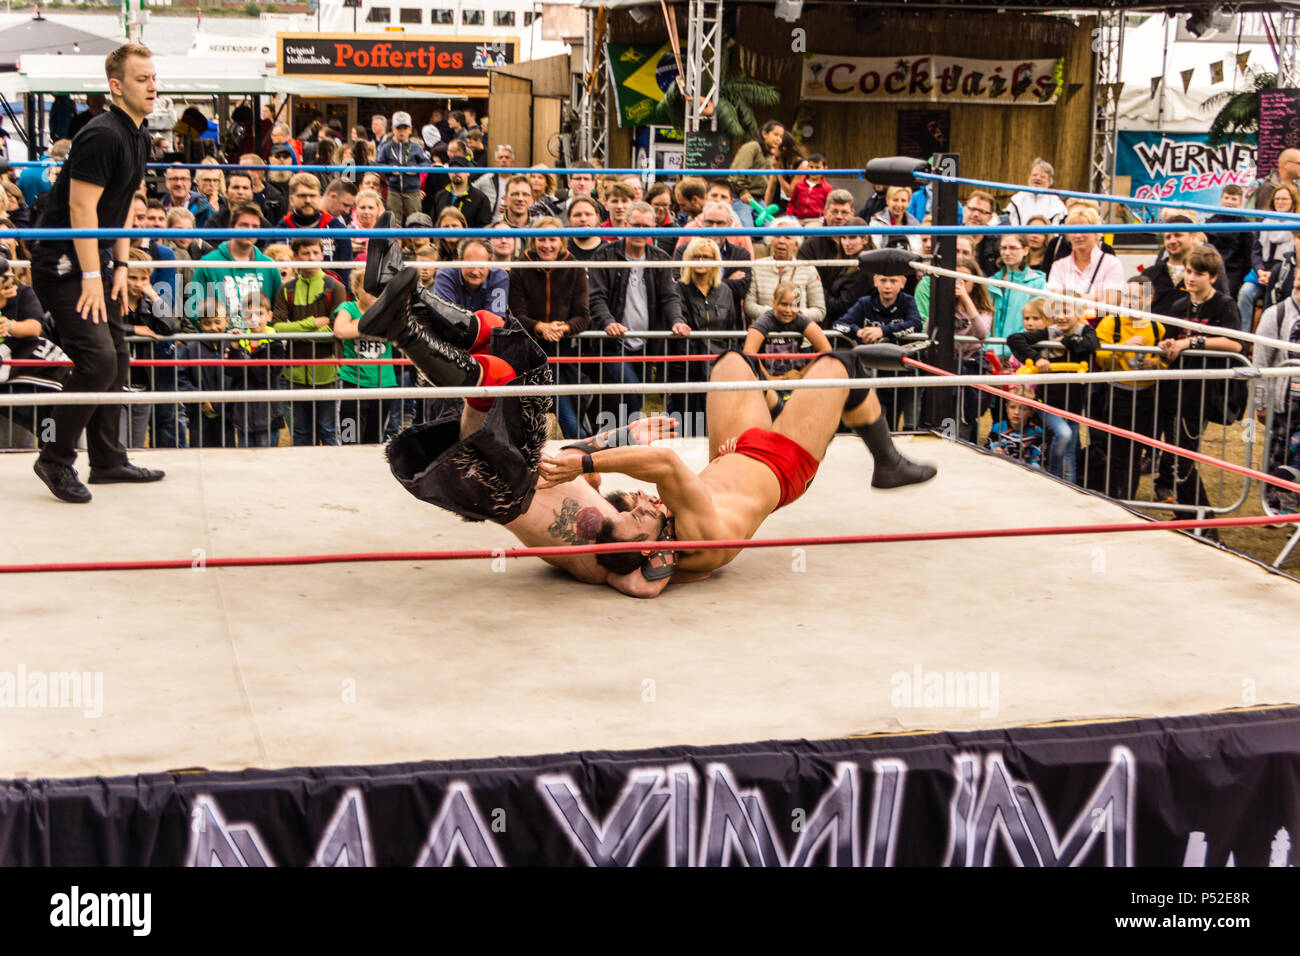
(640, 75)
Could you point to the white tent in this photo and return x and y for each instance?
(1170, 109)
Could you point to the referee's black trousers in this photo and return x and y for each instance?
(102, 363)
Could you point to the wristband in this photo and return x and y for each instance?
(588, 466)
(91, 275)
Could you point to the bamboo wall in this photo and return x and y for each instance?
(995, 142)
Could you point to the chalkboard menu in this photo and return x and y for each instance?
(1279, 126)
(922, 133)
(708, 150)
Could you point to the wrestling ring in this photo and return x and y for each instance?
(294, 661)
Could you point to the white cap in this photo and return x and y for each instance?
(401, 119)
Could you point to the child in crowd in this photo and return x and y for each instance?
(888, 314)
(412, 247)
(428, 273)
(1234, 247)
(307, 304)
(1080, 344)
(808, 198)
(363, 421)
(1187, 406)
(211, 426)
(259, 423)
(1018, 435)
(784, 316)
(149, 315)
(972, 318)
(280, 252)
(1129, 405)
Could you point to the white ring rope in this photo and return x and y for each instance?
(1077, 300)
(226, 265)
(279, 395)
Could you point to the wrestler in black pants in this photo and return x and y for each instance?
(102, 364)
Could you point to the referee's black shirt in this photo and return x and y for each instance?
(110, 151)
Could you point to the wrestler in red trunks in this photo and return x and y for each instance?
(793, 466)
(732, 497)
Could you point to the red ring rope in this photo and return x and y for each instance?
(1121, 432)
(622, 546)
(262, 363)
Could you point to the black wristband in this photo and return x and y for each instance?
(588, 466)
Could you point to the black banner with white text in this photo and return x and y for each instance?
(1214, 790)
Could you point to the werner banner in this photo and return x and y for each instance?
(391, 58)
(932, 79)
(1212, 790)
(1182, 167)
(640, 75)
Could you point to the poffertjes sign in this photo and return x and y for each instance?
(932, 79)
(392, 58)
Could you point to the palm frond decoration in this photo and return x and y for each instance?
(739, 94)
(1237, 113)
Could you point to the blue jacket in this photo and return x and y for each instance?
(895, 320)
(410, 153)
(165, 279)
(197, 204)
(493, 294)
(920, 204)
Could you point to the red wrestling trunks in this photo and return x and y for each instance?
(789, 461)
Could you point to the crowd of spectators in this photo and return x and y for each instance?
(775, 294)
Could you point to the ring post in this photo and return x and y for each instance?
(941, 403)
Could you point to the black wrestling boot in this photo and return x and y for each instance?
(892, 469)
(389, 317)
(439, 362)
(452, 323)
(383, 258)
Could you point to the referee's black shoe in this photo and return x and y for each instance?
(62, 481)
(127, 472)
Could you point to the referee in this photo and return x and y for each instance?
(72, 277)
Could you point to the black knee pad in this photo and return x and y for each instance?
(754, 364)
(849, 360)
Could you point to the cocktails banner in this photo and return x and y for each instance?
(932, 79)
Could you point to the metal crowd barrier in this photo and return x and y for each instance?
(1281, 453)
(1105, 463)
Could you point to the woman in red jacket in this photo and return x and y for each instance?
(552, 305)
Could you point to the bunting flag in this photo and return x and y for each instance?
(1155, 85)
(1243, 60)
(1187, 78)
(1072, 90)
(1216, 71)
